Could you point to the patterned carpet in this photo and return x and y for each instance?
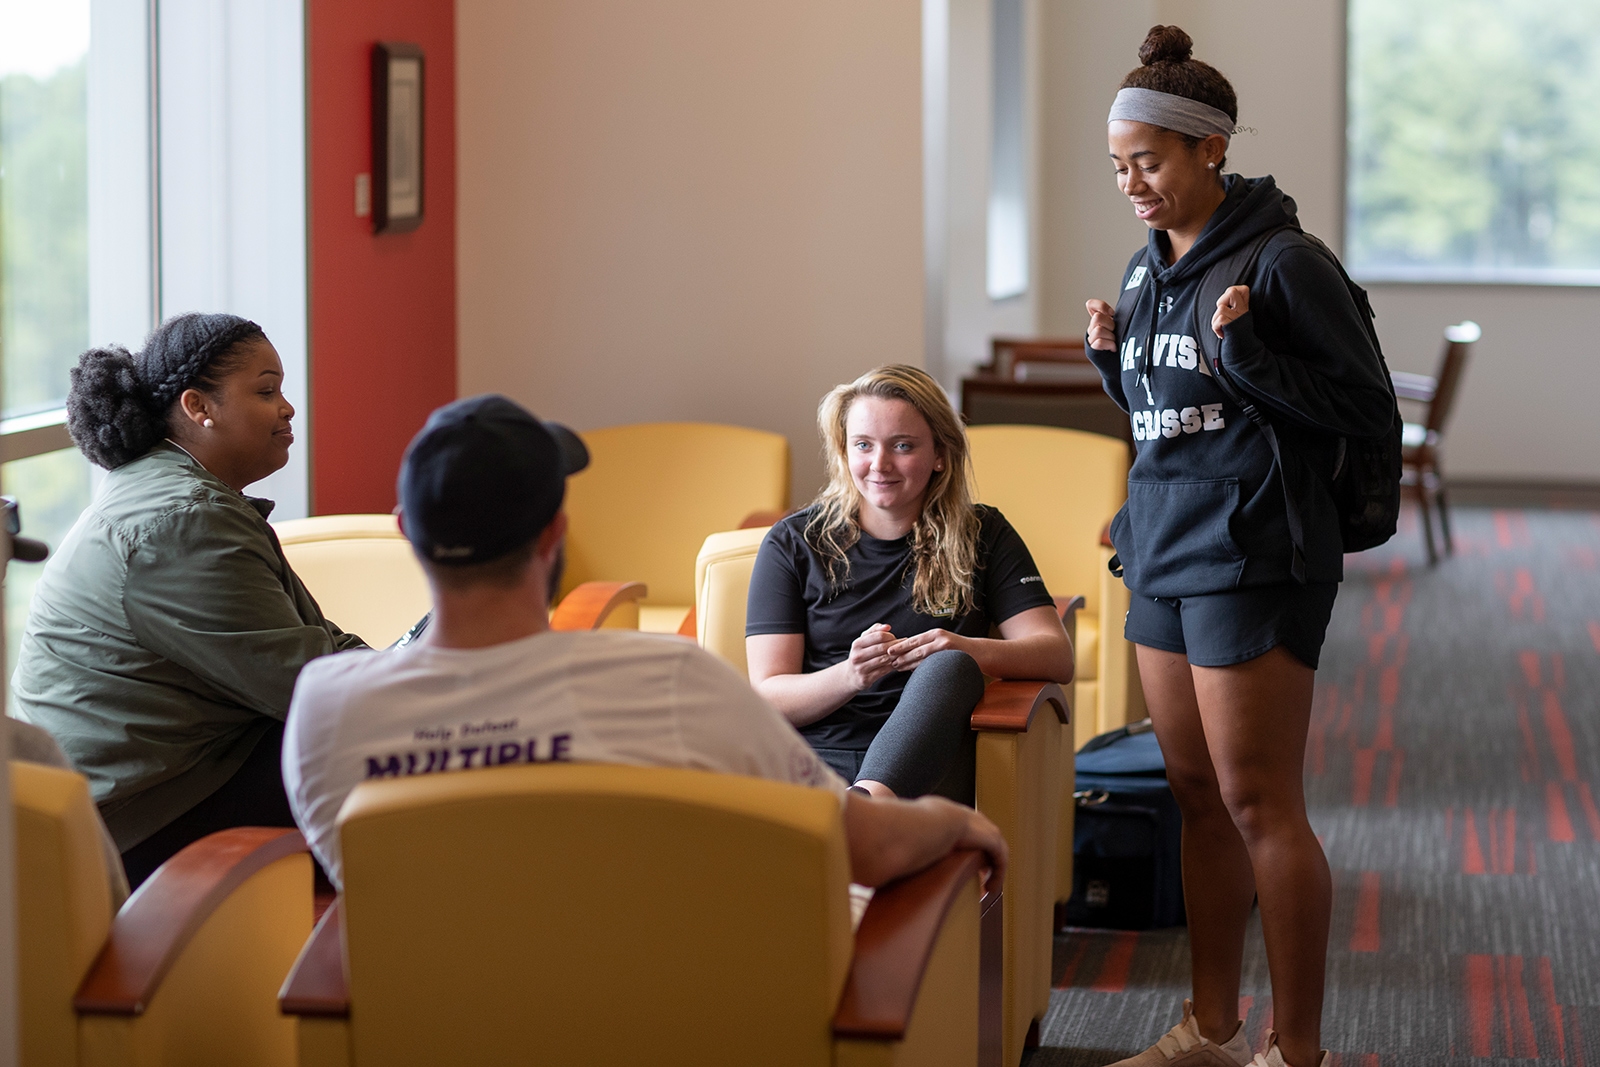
(1452, 775)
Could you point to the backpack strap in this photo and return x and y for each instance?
(1225, 273)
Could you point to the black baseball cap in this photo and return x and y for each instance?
(484, 477)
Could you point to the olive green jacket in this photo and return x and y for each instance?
(164, 639)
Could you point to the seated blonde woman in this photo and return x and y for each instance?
(871, 610)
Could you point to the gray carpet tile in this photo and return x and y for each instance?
(1453, 774)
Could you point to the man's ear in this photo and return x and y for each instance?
(551, 537)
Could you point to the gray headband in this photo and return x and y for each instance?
(1170, 112)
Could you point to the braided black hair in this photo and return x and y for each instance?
(120, 403)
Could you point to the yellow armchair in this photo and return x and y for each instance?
(598, 914)
(187, 971)
(360, 570)
(652, 493)
(1020, 725)
(1060, 488)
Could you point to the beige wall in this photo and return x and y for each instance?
(710, 209)
(1523, 412)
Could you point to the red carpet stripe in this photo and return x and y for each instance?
(1555, 724)
(1071, 970)
(1547, 990)
(1530, 667)
(1361, 776)
(1365, 938)
(1391, 795)
(1493, 820)
(1502, 533)
(1383, 737)
(1530, 746)
(1472, 848)
(1591, 814)
(1480, 1004)
(1521, 1015)
(1113, 977)
(1558, 823)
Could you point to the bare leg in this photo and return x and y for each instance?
(1256, 716)
(1218, 886)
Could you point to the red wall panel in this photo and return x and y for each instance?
(383, 306)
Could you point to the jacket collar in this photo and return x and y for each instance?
(262, 505)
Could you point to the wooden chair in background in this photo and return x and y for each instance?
(1421, 474)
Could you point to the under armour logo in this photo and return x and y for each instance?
(1136, 279)
(1167, 303)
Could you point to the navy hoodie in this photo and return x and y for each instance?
(1205, 510)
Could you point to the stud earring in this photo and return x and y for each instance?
(208, 424)
(1211, 166)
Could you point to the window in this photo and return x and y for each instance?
(1474, 142)
(106, 227)
(44, 199)
(1008, 176)
(44, 268)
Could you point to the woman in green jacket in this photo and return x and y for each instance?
(167, 630)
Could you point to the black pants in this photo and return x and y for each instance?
(927, 744)
(254, 796)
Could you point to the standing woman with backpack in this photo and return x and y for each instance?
(1231, 540)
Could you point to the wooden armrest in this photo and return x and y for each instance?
(757, 519)
(587, 606)
(317, 984)
(1413, 386)
(1069, 605)
(1105, 537)
(894, 944)
(1009, 706)
(157, 922)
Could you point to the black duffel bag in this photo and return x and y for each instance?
(1128, 837)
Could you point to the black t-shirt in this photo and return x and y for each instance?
(790, 594)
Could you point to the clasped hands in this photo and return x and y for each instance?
(877, 652)
(1232, 304)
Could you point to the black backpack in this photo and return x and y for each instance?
(1365, 474)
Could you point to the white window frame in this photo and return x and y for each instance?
(197, 190)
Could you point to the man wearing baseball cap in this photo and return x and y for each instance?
(488, 683)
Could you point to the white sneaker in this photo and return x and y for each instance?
(1271, 1057)
(1182, 1046)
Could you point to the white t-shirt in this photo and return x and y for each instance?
(604, 696)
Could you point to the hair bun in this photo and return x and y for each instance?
(1165, 44)
(108, 414)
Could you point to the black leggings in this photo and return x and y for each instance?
(254, 796)
(927, 744)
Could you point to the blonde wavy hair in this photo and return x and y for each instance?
(944, 541)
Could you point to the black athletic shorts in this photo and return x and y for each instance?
(1221, 629)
